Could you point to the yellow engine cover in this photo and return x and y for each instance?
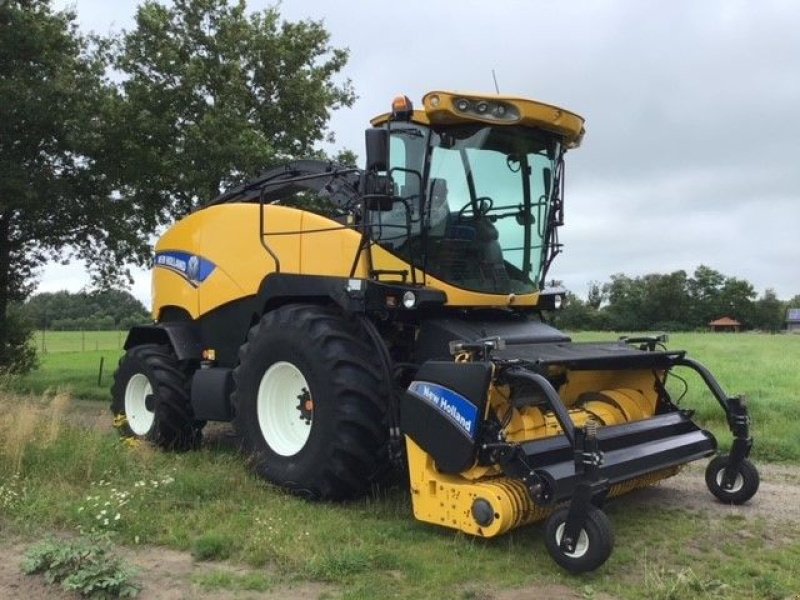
(227, 237)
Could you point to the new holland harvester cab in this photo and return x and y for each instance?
(353, 321)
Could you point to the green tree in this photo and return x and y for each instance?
(578, 315)
(705, 288)
(652, 301)
(52, 98)
(573, 316)
(209, 95)
(626, 301)
(666, 301)
(596, 295)
(213, 95)
(104, 309)
(737, 300)
(770, 312)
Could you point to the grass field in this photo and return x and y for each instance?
(70, 363)
(57, 477)
(763, 367)
(78, 341)
(53, 477)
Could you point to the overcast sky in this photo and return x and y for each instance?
(692, 150)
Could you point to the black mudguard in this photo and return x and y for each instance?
(182, 337)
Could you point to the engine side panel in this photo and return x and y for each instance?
(214, 256)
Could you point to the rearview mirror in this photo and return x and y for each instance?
(377, 144)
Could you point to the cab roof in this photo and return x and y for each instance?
(451, 108)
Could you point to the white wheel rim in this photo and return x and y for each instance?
(738, 483)
(282, 390)
(581, 548)
(140, 419)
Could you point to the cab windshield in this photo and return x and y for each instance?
(478, 214)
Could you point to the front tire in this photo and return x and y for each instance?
(310, 402)
(150, 399)
(745, 485)
(594, 545)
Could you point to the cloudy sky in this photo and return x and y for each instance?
(692, 151)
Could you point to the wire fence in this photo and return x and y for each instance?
(48, 341)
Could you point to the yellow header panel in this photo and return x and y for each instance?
(450, 108)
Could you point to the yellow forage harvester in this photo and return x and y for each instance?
(350, 321)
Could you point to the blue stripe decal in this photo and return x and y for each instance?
(450, 403)
(193, 268)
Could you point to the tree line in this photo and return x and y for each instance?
(673, 302)
(84, 311)
(106, 139)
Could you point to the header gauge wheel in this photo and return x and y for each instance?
(594, 544)
(745, 484)
(310, 402)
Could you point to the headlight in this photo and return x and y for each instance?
(462, 104)
(409, 299)
(494, 110)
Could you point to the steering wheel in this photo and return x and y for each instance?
(481, 207)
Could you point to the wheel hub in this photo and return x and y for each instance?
(139, 404)
(581, 546)
(737, 485)
(285, 408)
(305, 406)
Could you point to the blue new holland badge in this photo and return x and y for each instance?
(450, 403)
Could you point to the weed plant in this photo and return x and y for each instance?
(82, 565)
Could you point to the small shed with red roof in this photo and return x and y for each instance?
(725, 325)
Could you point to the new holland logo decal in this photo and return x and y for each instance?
(195, 269)
(462, 412)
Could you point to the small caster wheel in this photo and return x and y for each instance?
(745, 485)
(594, 544)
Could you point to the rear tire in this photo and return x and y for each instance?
(310, 403)
(150, 399)
(744, 487)
(594, 545)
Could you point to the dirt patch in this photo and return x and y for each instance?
(170, 575)
(14, 585)
(777, 499)
(542, 592)
(163, 574)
